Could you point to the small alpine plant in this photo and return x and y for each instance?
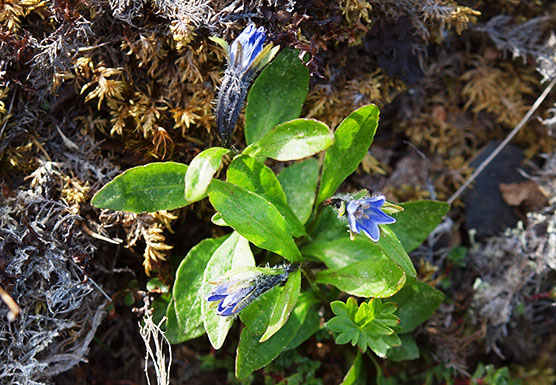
(287, 220)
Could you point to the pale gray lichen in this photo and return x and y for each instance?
(41, 241)
(60, 310)
(513, 268)
(525, 40)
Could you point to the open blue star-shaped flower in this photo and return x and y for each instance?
(365, 215)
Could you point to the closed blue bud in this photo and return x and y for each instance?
(234, 295)
(366, 214)
(246, 57)
(246, 47)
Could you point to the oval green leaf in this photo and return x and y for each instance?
(218, 220)
(293, 140)
(284, 306)
(310, 326)
(299, 182)
(392, 247)
(342, 252)
(200, 172)
(407, 351)
(328, 227)
(256, 316)
(330, 244)
(353, 137)
(187, 286)
(233, 252)
(253, 355)
(415, 223)
(174, 331)
(356, 375)
(254, 176)
(417, 303)
(149, 188)
(276, 96)
(254, 217)
(378, 277)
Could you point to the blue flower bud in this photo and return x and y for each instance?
(234, 295)
(246, 57)
(246, 47)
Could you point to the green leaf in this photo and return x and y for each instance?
(232, 253)
(156, 285)
(342, 252)
(254, 176)
(218, 220)
(415, 223)
(256, 316)
(310, 326)
(276, 96)
(299, 182)
(160, 307)
(417, 303)
(221, 42)
(377, 276)
(329, 228)
(293, 140)
(489, 375)
(408, 351)
(253, 355)
(457, 255)
(149, 188)
(392, 247)
(186, 292)
(352, 141)
(200, 172)
(174, 333)
(284, 306)
(371, 325)
(356, 375)
(254, 217)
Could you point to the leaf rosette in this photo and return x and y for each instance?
(371, 325)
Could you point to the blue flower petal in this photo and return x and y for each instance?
(351, 208)
(229, 304)
(225, 312)
(242, 40)
(255, 45)
(235, 297)
(221, 289)
(376, 201)
(365, 215)
(380, 217)
(215, 297)
(251, 41)
(370, 228)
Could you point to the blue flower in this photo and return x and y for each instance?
(365, 215)
(246, 47)
(246, 57)
(234, 295)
